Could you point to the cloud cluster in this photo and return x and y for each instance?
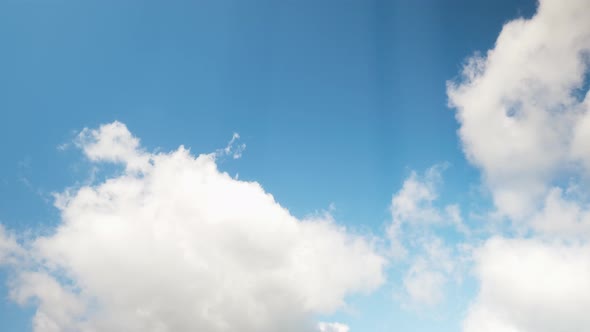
(412, 234)
(173, 244)
(524, 113)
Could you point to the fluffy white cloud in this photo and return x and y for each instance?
(173, 244)
(113, 143)
(522, 118)
(525, 121)
(531, 285)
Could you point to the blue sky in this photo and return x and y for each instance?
(338, 103)
(355, 88)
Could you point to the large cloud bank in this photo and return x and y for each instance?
(173, 244)
(524, 113)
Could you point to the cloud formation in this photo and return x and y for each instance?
(173, 244)
(524, 114)
(412, 235)
(524, 120)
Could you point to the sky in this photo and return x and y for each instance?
(297, 166)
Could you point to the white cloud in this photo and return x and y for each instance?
(232, 149)
(581, 138)
(415, 217)
(57, 306)
(173, 244)
(9, 248)
(453, 212)
(333, 327)
(413, 202)
(562, 216)
(413, 208)
(423, 284)
(430, 271)
(522, 120)
(113, 143)
(525, 123)
(531, 285)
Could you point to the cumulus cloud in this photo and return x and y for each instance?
(524, 121)
(531, 285)
(113, 143)
(173, 244)
(523, 117)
